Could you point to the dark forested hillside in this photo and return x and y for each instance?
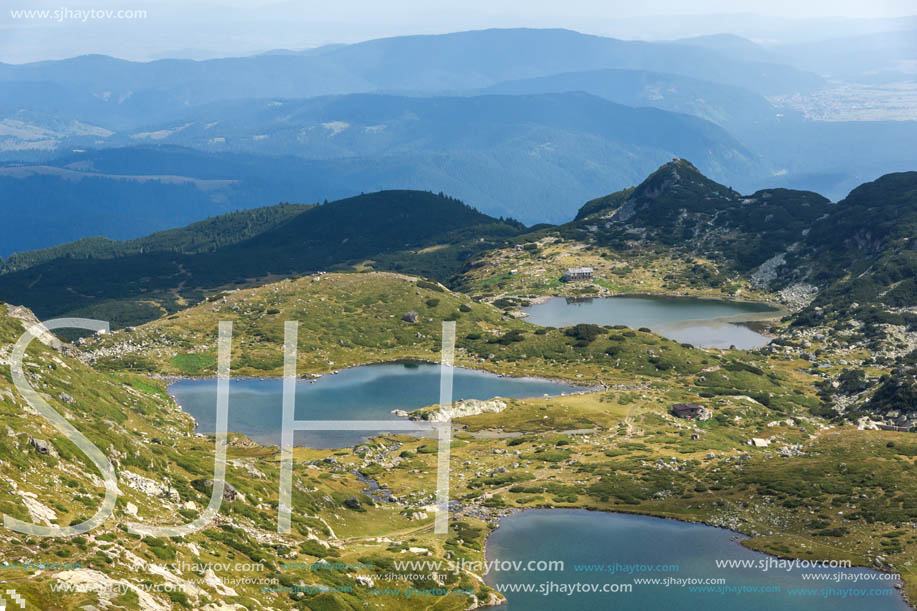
(865, 252)
(131, 282)
(204, 236)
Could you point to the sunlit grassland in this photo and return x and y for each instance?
(537, 268)
(835, 493)
(847, 494)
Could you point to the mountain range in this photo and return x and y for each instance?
(460, 60)
(533, 157)
(523, 123)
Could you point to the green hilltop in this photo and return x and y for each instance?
(139, 280)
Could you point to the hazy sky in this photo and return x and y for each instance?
(201, 28)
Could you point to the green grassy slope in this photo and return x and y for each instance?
(163, 471)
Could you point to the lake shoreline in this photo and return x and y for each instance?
(776, 304)
(777, 309)
(570, 388)
(704, 322)
(311, 377)
(738, 538)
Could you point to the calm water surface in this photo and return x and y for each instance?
(710, 323)
(579, 537)
(370, 392)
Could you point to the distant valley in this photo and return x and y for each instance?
(523, 134)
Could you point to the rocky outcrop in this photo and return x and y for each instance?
(37, 512)
(248, 466)
(365, 580)
(43, 446)
(230, 493)
(493, 599)
(28, 319)
(410, 317)
(459, 409)
(212, 580)
(799, 295)
(791, 451)
(108, 588)
(767, 271)
(147, 486)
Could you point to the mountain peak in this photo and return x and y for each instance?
(679, 162)
(674, 174)
(675, 187)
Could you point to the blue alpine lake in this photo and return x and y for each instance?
(709, 323)
(581, 538)
(368, 392)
